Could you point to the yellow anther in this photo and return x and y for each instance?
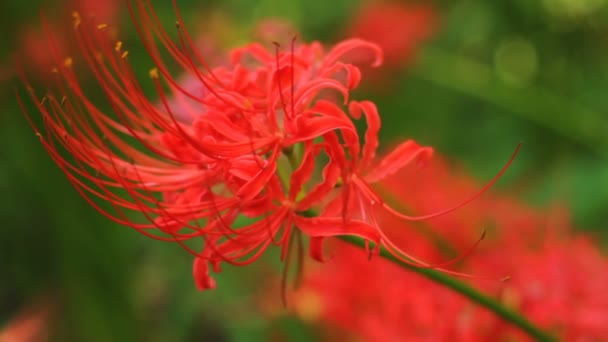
(153, 73)
(102, 26)
(124, 54)
(248, 104)
(339, 182)
(118, 46)
(77, 19)
(68, 62)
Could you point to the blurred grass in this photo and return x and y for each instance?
(459, 96)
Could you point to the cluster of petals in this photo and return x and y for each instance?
(230, 162)
(556, 275)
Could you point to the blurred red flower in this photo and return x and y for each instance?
(107, 11)
(398, 28)
(33, 48)
(32, 43)
(31, 324)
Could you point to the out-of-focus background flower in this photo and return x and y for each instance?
(471, 78)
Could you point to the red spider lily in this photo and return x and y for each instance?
(557, 277)
(234, 156)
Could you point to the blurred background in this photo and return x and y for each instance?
(471, 78)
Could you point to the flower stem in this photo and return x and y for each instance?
(465, 290)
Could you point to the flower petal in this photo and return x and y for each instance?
(322, 227)
(402, 155)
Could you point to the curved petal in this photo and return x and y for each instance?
(343, 48)
(303, 173)
(315, 249)
(319, 228)
(372, 118)
(402, 155)
(331, 173)
(311, 128)
(335, 226)
(254, 186)
(306, 92)
(200, 271)
(256, 50)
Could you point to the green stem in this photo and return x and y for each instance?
(465, 290)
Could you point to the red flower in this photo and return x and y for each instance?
(234, 156)
(396, 27)
(556, 276)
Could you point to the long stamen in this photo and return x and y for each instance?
(462, 204)
(279, 79)
(293, 77)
